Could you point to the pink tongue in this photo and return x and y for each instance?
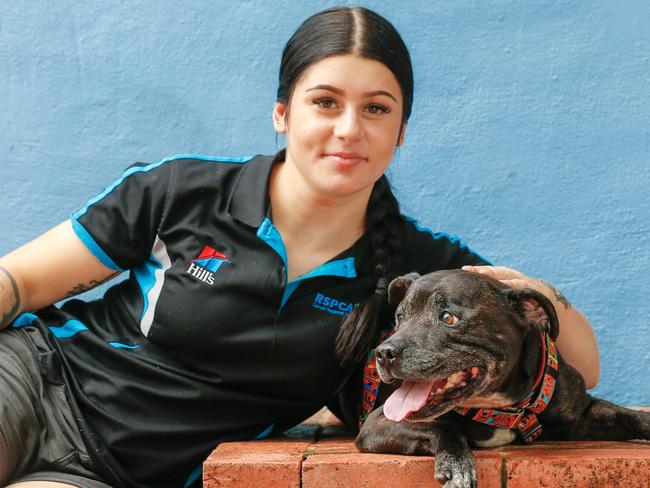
(409, 398)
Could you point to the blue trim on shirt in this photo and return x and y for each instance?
(214, 159)
(149, 167)
(24, 319)
(119, 345)
(344, 268)
(85, 236)
(146, 278)
(92, 245)
(270, 234)
(288, 291)
(266, 432)
(194, 475)
(442, 235)
(69, 329)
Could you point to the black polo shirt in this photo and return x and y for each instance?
(206, 340)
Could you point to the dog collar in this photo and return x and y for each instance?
(371, 379)
(523, 416)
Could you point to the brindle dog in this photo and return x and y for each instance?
(465, 340)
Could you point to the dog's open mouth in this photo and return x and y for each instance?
(412, 396)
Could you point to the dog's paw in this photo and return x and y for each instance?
(637, 423)
(456, 471)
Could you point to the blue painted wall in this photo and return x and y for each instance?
(530, 137)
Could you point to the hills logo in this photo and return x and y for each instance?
(206, 264)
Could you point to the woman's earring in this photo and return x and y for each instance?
(279, 125)
(278, 115)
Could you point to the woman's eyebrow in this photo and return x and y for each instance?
(373, 93)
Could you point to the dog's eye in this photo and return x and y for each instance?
(399, 318)
(448, 318)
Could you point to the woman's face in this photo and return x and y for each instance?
(343, 124)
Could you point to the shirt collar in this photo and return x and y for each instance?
(249, 201)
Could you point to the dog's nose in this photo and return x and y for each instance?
(386, 354)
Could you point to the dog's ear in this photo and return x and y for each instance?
(529, 365)
(397, 288)
(534, 307)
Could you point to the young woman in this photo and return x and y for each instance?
(256, 286)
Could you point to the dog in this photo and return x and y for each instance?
(478, 365)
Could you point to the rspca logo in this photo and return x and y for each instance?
(332, 305)
(206, 264)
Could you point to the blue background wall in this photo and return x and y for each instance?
(530, 137)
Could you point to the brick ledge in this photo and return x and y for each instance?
(321, 454)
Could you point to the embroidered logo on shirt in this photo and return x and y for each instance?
(332, 305)
(206, 264)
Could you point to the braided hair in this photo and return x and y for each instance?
(360, 328)
(364, 33)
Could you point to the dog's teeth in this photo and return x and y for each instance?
(449, 385)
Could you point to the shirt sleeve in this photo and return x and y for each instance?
(433, 251)
(119, 225)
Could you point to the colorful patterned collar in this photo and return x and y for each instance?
(371, 380)
(521, 417)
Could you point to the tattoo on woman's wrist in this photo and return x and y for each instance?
(558, 295)
(9, 298)
(82, 287)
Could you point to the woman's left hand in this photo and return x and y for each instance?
(516, 279)
(577, 341)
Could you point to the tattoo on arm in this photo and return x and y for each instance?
(82, 287)
(558, 295)
(9, 298)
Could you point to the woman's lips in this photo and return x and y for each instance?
(346, 158)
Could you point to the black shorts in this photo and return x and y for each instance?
(39, 437)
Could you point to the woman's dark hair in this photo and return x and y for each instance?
(359, 331)
(346, 30)
(362, 32)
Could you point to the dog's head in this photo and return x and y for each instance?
(459, 335)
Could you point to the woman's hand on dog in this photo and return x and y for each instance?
(514, 279)
(576, 341)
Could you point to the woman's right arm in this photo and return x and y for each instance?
(53, 266)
